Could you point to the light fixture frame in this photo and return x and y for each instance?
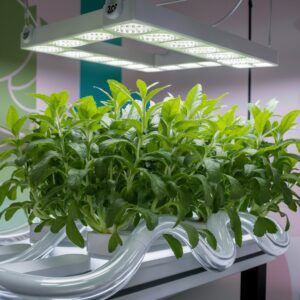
(158, 18)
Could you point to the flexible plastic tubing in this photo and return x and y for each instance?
(14, 235)
(115, 274)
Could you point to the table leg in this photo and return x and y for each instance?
(253, 283)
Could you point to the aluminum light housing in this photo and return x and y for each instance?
(189, 43)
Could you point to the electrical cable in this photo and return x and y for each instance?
(250, 7)
(229, 14)
(270, 23)
(170, 2)
(27, 15)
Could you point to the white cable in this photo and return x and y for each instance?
(24, 86)
(270, 23)
(171, 2)
(16, 101)
(29, 13)
(229, 14)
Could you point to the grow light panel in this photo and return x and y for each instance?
(190, 44)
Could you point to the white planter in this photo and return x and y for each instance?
(97, 244)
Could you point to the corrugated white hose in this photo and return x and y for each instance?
(115, 274)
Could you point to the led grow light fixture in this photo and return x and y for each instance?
(190, 44)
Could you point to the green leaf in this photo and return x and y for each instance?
(142, 86)
(210, 238)
(73, 233)
(264, 225)
(114, 241)
(4, 188)
(236, 189)
(57, 225)
(206, 189)
(171, 110)
(6, 154)
(13, 209)
(44, 98)
(175, 245)
(40, 227)
(236, 226)
(288, 121)
(158, 185)
(87, 107)
(43, 169)
(194, 97)
(115, 211)
(261, 120)
(213, 169)
(150, 218)
(115, 142)
(153, 93)
(18, 125)
(12, 117)
(192, 234)
(12, 193)
(76, 178)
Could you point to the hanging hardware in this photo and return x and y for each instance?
(229, 14)
(270, 22)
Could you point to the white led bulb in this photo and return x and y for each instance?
(190, 66)
(132, 28)
(68, 43)
(182, 44)
(157, 37)
(95, 36)
(170, 68)
(239, 61)
(210, 64)
(152, 70)
(202, 50)
(76, 54)
(137, 66)
(46, 49)
(100, 59)
(221, 55)
(119, 63)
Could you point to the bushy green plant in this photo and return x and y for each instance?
(109, 167)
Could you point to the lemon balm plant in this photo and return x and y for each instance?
(111, 167)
